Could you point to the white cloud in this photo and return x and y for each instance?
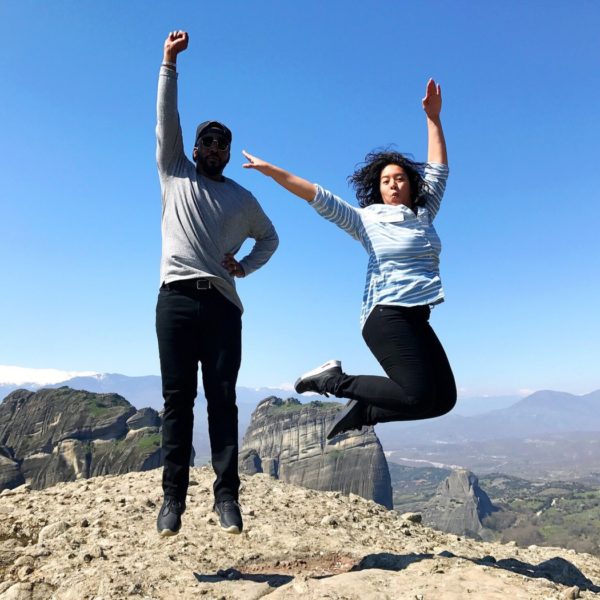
(283, 387)
(288, 387)
(11, 375)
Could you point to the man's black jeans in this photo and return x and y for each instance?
(199, 326)
(420, 383)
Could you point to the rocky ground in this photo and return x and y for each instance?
(96, 539)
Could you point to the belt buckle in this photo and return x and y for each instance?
(203, 284)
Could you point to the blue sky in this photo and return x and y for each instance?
(312, 86)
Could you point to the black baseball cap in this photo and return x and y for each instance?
(212, 127)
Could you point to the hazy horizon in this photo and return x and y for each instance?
(13, 375)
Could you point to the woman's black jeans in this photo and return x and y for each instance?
(199, 326)
(420, 383)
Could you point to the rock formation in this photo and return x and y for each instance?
(96, 539)
(459, 505)
(286, 440)
(63, 434)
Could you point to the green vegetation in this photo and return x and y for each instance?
(292, 405)
(101, 405)
(564, 514)
(284, 407)
(129, 448)
(94, 404)
(527, 505)
(554, 513)
(95, 408)
(149, 442)
(414, 486)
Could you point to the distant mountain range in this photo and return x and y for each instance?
(547, 435)
(146, 391)
(555, 432)
(541, 413)
(474, 419)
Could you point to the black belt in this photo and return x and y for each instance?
(189, 284)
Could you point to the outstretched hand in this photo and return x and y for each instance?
(301, 187)
(432, 103)
(176, 42)
(257, 163)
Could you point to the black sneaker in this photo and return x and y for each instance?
(349, 418)
(316, 380)
(169, 516)
(229, 515)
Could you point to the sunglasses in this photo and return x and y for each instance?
(208, 140)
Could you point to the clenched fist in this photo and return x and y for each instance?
(176, 42)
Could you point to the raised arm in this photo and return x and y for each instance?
(169, 140)
(298, 186)
(432, 105)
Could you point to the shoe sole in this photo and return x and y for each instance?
(330, 364)
(233, 529)
(337, 428)
(168, 533)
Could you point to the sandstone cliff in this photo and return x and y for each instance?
(96, 539)
(459, 505)
(63, 434)
(286, 439)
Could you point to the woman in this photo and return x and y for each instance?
(398, 201)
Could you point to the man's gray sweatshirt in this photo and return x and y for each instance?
(202, 219)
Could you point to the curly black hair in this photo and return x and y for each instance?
(365, 179)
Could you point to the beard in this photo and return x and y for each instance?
(212, 168)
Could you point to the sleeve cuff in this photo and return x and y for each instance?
(245, 267)
(319, 199)
(168, 72)
(439, 168)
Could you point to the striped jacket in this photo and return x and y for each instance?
(403, 248)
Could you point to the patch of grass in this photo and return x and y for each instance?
(290, 407)
(284, 408)
(94, 404)
(527, 504)
(149, 442)
(101, 405)
(569, 517)
(96, 409)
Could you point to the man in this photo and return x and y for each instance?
(205, 219)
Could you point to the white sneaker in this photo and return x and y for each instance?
(316, 380)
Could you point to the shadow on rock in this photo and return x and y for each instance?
(389, 562)
(557, 570)
(274, 580)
